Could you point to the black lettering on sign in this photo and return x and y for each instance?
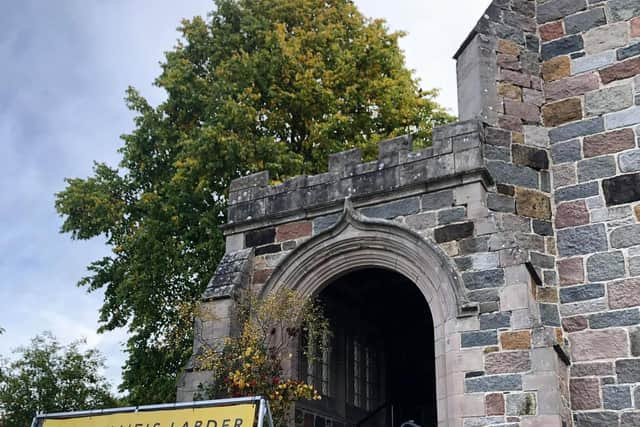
(225, 422)
(212, 423)
(156, 424)
(198, 424)
(238, 422)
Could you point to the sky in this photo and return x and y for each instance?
(64, 70)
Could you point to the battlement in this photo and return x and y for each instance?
(456, 150)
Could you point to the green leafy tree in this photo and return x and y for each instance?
(268, 84)
(47, 376)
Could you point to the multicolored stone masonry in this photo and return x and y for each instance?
(531, 204)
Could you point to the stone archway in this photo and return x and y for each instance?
(356, 242)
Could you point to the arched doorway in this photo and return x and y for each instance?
(379, 370)
(357, 243)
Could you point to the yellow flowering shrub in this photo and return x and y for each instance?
(252, 363)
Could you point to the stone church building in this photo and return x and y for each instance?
(492, 279)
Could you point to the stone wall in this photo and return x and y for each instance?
(591, 61)
(532, 202)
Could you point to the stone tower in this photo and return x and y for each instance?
(511, 245)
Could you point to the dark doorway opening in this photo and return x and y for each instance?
(380, 367)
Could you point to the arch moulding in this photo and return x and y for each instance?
(357, 242)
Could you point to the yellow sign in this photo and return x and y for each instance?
(228, 416)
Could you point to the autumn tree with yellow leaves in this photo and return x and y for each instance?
(272, 85)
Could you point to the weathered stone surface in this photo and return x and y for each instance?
(620, 71)
(547, 294)
(628, 52)
(393, 209)
(616, 397)
(572, 214)
(510, 91)
(556, 9)
(594, 345)
(448, 216)
(581, 293)
(574, 130)
(472, 245)
(622, 10)
(582, 240)
(543, 228)
(529, 156)
(323, 223)
(605, 38)
(500, 203)
(515, 77)
(260, 237)
(295, 230)
(556, 68)
(533, 204)
(605, 266)
(585, 393)
(629, 161)
(621, 119)
(489, 383)
(571, 86)
(437, 200)
(520, 340)
(549, 314)
(575, 323)
(634, 266)
(622, 189)
(479, 338)
(614, 318)
(596, 419)
(421, 221)
(596, 168)
(608, 100)
(564, 175)
(507, 362)
(593, 369)
(624, 237)
(625, 293)
(500, 137)
(585, 21)
(608, 143)
(630, 419)
(570, 271)
(581, 191)
(495, 320)
(551, 31)
(507, 173)
(562, 46)
(519, 404)
(536, 136)
(562, 112)
(451, 232)
(635, 27)
(570, 151)
(494, 404)
(484, 279)
(628, 371)
(592, 62)
(526, 112)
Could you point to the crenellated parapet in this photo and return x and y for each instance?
(457, 150)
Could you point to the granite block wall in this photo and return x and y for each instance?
(590, 65)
